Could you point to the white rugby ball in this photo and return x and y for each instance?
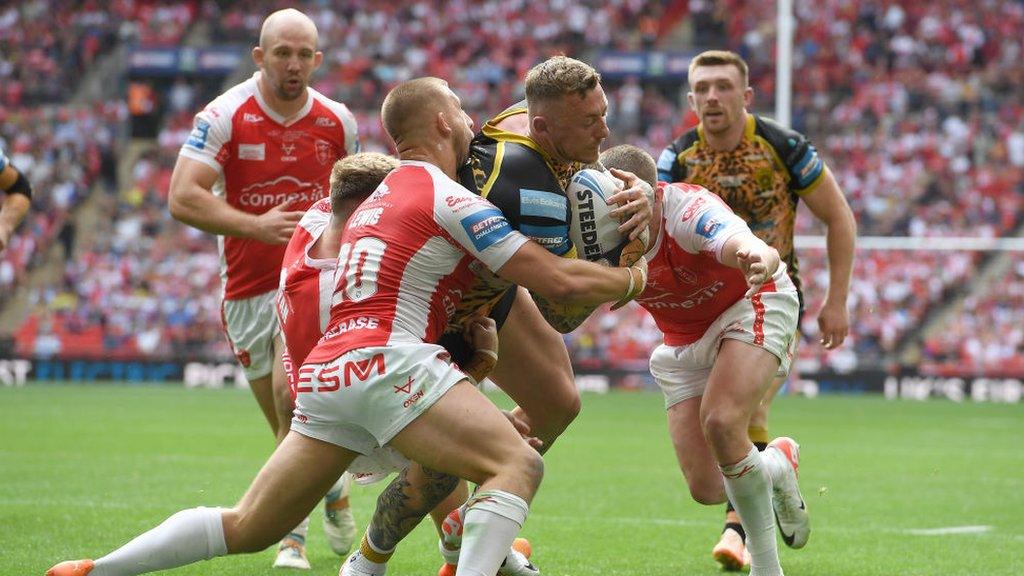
(594, 233)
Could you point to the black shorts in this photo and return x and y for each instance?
(457, 346)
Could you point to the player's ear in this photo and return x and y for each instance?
(748, 97)
(539, 124)
(257, 56)
(318, 59)
(692, 101)
(443, 126)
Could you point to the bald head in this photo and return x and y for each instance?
(288, 21)
(409, 110)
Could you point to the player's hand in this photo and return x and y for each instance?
(758, 262)
(482, 333)
(636, 202)
(524, 430)
(833, 323)
(275, 226)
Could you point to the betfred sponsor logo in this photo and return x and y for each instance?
(486, 227)
(252, 118)
(325, 122)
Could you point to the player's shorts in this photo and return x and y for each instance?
(363, 398)
(251, 325)
(457, 346)
(682, 371)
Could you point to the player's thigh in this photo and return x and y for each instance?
(741, 374)
(533, 365)
(695, 458)
(465, 435)
(297, 475)
(251, 326)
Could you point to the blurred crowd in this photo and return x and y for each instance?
(917, 108)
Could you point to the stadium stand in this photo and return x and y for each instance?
(917, 108)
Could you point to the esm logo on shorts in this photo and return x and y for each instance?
(328, 379)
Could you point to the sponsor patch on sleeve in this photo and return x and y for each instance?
(486, 227)
(197, 138)
(543, 204)
(808, 168)
(710, 223)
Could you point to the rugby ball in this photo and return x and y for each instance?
(592, 230)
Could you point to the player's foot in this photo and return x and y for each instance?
(730, 552)
(790, 508)
(358, 565)
(71, 568)
(517, 563)
(339, 524)
(292, 554)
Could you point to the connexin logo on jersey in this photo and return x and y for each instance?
(486, 227)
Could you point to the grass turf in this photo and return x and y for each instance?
(85, 468)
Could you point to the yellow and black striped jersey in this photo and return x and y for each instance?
(514, 174)
(762, 179)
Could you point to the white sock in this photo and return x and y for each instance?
(450, 556)
(750, 491)
(491, 523)
(184, 538)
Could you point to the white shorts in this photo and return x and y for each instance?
(362, 399)
(251, 326)
(682, 371)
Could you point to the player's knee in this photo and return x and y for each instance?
(528, 466)
(719, 424)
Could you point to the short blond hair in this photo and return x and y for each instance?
(355, 177)
(407, 105)
(559, 76)
(721, 58)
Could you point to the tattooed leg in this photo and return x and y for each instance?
(404, 502)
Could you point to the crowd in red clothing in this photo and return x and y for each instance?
(917, 108)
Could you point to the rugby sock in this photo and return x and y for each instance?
(759, 436)
(491, 523)
(750, 490)
(374, 554)
(184, 538)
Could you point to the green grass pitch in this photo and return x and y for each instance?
(85, 468)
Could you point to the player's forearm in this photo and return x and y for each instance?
(579, 282)
(13, 211)
(201, 209)
(840, 240)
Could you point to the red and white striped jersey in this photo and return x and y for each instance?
(264, 162)
(408, 253)
(307, 285)
(687, 285)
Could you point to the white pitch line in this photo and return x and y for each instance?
(948, 530)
